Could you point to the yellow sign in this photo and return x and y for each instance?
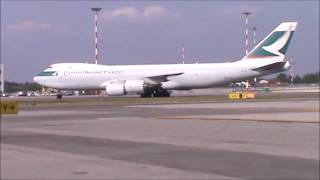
(9, 107)
(241, 95)
(251, 95)
(234, 95)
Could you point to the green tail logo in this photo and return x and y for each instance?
(275, 44)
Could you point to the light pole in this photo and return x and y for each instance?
(96, 10)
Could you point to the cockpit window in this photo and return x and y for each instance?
(48, 73)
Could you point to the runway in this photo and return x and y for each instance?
(270, 138)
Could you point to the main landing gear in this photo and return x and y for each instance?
(156, 93)
(59, 95)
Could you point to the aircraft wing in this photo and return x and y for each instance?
(152, 81)
(160, 78)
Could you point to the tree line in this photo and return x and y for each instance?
(308, 78)
(11, 87)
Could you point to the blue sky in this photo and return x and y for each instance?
(36, 34)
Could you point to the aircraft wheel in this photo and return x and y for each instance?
(146, 95)
(59, 95)
(161, 93)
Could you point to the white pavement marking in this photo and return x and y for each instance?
(312, 104)
(54, 113)
(302, 117)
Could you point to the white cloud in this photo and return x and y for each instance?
(29, 26)
(156, 11)
(129, 12)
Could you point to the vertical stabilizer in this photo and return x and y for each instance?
(275, 44)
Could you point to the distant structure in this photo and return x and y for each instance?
(182, 51)
(291, 71)
(1, 78)
(96, 10)
(254, 30)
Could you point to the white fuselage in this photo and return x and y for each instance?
(193, 76)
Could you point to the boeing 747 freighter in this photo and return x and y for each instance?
(267, 57)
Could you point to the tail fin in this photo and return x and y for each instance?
(275, 44)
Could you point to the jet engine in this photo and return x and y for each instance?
(134, 86)
(125, 87)
(115, 89)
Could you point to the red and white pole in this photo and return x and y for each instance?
(247, 35)
(96, 10)
(246, 38)
(96, 37)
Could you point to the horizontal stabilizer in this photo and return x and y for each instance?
(272, 66)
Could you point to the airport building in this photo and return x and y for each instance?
(1, 78)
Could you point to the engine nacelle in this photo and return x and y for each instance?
(125, 87)
(115, 89)
(134, 86)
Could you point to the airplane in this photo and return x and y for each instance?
(267, 57)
